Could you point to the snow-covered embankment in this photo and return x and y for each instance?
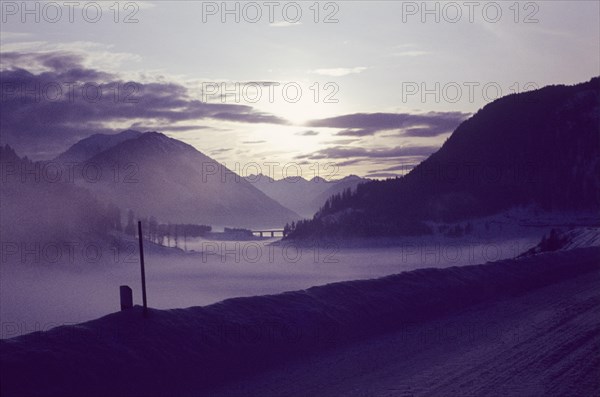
(185, 351)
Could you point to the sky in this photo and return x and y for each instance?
(315, 88)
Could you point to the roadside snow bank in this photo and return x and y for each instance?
(558, 240)
(184, 351)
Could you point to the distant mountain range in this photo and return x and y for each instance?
(304, 197)
(166, 165)
(540, 148)
(162, 177)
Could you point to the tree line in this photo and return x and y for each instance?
(159, 233)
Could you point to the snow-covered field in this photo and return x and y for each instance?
(43, 285)
(524, 327)
(40, 293)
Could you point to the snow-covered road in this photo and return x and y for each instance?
(543, 343)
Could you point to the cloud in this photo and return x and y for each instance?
(406, 45)
(45, 111)
(249, 117)
(66, 66)
(344, 152)
(284, 24)
(308, 133)
(414, 53)
(340, 141)
(91, 54)
(357, 132)
(253, 142)
(338, 72)
(259, 83)
(349, 162)
(429, 131)
(177, 128)
(14, 35)
(402, 167)
(219, 151)
(409, 124)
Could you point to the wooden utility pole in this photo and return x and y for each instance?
(140, 235)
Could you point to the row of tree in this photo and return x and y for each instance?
(238, 231)
(169, 234)
(354, 227)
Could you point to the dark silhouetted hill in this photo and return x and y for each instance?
(539, 148)
(162, 177)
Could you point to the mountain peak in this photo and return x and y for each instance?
(94, 144)
(154, 140)
(260, 177)
(351, 177)
(155, 135)
(318, 179)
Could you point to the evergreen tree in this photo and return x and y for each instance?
(130, 228)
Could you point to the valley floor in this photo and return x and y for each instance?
(542, 343)
(517, 327)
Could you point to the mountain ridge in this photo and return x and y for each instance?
(94, 144)
(303, 196)
(173, 181)
(537, 148)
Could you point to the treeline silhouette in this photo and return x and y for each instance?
(164, 233)
(238, 231)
